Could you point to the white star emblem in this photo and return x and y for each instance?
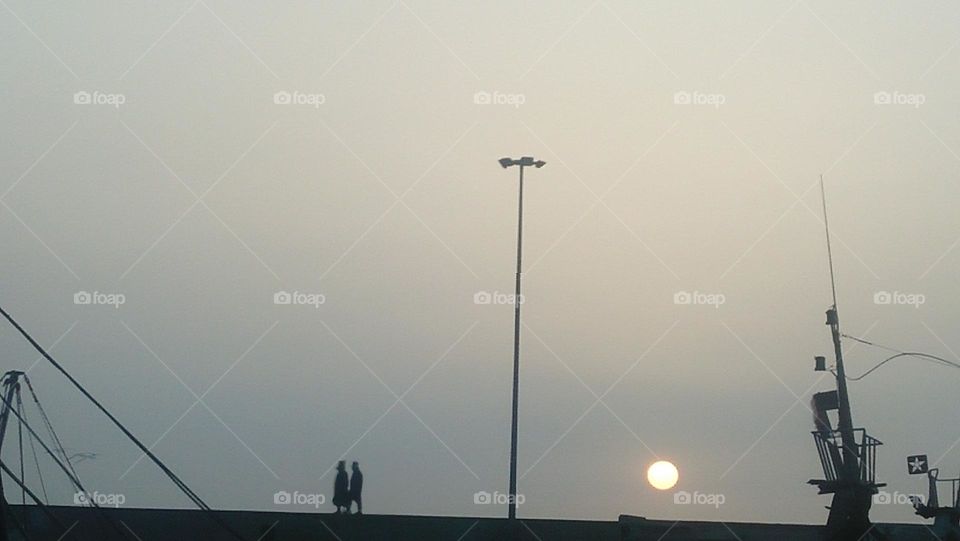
(917, 464)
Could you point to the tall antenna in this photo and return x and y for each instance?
(826, 226)
(849, 471)
(851, 460)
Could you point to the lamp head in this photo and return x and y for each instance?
(525, 161)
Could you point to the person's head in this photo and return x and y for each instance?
(342, 465)
(355, 466)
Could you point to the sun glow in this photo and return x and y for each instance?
(662, 475)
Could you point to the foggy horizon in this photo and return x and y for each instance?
(268, 238)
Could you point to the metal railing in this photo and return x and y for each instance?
(954, 486)
(830, 449)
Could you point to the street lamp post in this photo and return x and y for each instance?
(525, 161)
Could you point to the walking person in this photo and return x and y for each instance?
(356, 488)
(341, 492)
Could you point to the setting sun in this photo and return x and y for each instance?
(662, 475)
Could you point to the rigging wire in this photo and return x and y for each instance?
(146, 451)
(46, 421)
(43, 508)
(23, 493)
(33, 447)
(36, 460)
(76, 482)
(897, 354)
(23, 475)
(869, 343)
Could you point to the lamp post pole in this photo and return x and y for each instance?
(512, 499)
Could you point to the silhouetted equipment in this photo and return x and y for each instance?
(525, 161)
(13, 404)
(847, 455)
(186, 490)
(820, 363)
(946, 519)
(11, 385)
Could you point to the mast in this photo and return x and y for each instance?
(11, 386)
(848, 465)
(845, 416)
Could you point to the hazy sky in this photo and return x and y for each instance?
(684, 141)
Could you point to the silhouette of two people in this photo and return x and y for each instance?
(345, 491)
